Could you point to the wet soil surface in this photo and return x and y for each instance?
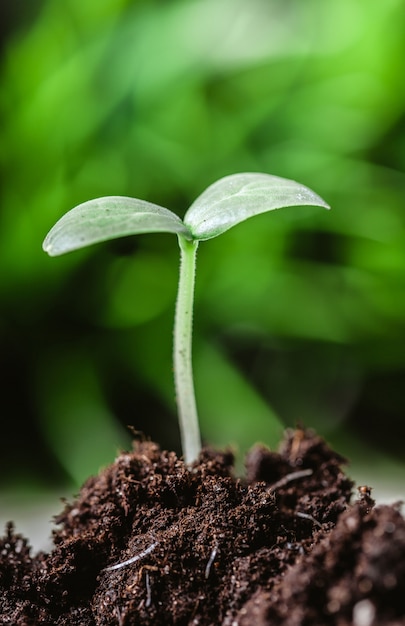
(150, 541)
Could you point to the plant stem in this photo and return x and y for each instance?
(183, 370)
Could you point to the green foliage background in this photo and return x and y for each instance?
(300, 315)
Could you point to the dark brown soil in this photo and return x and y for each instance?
(149, 541)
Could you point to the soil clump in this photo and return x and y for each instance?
(150, 541)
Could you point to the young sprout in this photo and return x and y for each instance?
(224, 204)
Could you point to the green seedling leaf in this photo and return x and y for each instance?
(107, 218)
(235, 198)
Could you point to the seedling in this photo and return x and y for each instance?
(224, 204)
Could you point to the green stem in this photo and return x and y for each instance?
(183, 371)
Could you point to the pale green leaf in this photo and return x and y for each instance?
(235, 198)
(107, 218)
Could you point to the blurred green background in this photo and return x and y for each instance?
(300, 315)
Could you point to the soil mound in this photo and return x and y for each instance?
(150, 541)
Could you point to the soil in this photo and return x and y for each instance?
(150, 541)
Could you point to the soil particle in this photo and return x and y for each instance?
(151, 541)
